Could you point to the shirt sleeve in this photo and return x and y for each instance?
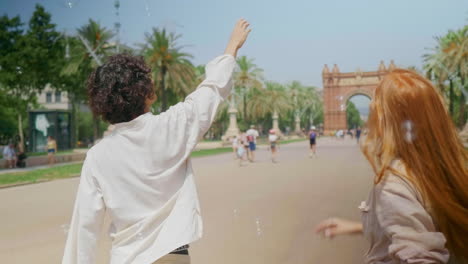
(88, 216)
(188, 121)
(405, 221)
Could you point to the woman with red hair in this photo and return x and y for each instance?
(417, 211)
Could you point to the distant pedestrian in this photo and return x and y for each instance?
(273, 139)
(241, 153)
(358, 134)
(235, 145)
(9, 154)
(252, 135)
(313, 141)
(51, 150)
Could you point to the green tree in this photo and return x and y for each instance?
(353, 117)
(307, 103)
(16, 92)
(86, 51)
(448, 61)
(27, 60)
(199, 74)
(272, 100)
(248, 76)
(172, 70)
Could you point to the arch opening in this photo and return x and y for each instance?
(357, 110)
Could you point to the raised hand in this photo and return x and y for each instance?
(238, 36)
(336, 226)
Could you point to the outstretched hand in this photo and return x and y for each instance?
(238, 36)
(336, 226)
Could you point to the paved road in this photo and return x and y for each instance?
(260, 213)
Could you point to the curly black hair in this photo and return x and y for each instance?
(118, 89)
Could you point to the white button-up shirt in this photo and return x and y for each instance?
(141, 175)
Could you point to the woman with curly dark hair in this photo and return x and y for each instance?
(140, 174)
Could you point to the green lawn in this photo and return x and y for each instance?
(70, 170)
(208, 152)
(58, 172)
(61, 152)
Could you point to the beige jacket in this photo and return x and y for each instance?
(398, 225)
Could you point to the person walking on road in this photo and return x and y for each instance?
(51, 150)
(141, 174)
(313, 142)
(358, 134)
(235, 144)
(252, 135)
(273, 140)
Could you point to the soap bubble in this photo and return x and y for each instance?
(408, 130)
(69, 3)
(65, 228)
(258, 227)
(19, 70)
(147, 9)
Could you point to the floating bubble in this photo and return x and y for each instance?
(342, 107)
(19, 70)
(69, 3)
(408, 130)
(235, 212)
(147, 9)
(258, 227)
(139, 236)
(65, 228)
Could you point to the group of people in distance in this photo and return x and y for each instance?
(417, 210)
(244, 145)
(17, 159)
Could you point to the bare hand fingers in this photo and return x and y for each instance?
(329, 223)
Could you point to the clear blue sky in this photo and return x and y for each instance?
(291, 40)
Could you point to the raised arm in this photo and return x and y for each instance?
(187, 122)
(238, 37)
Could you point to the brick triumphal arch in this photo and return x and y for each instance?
(339, 87)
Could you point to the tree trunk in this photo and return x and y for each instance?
(20, 133)
(462, 104)
(245, 104)
(74, 122)
(95, 128)
(162, 85)
(451, 94)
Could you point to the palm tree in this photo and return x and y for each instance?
(449, 61)
(247, 77)
(457, 51)
(171, 67)
(199, 73)
(310, 104)
(271, 100)
(86, 52)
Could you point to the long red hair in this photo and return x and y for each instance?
(408, 121)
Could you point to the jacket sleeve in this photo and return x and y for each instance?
(188, 121)
(407, 223)
(88, 216)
